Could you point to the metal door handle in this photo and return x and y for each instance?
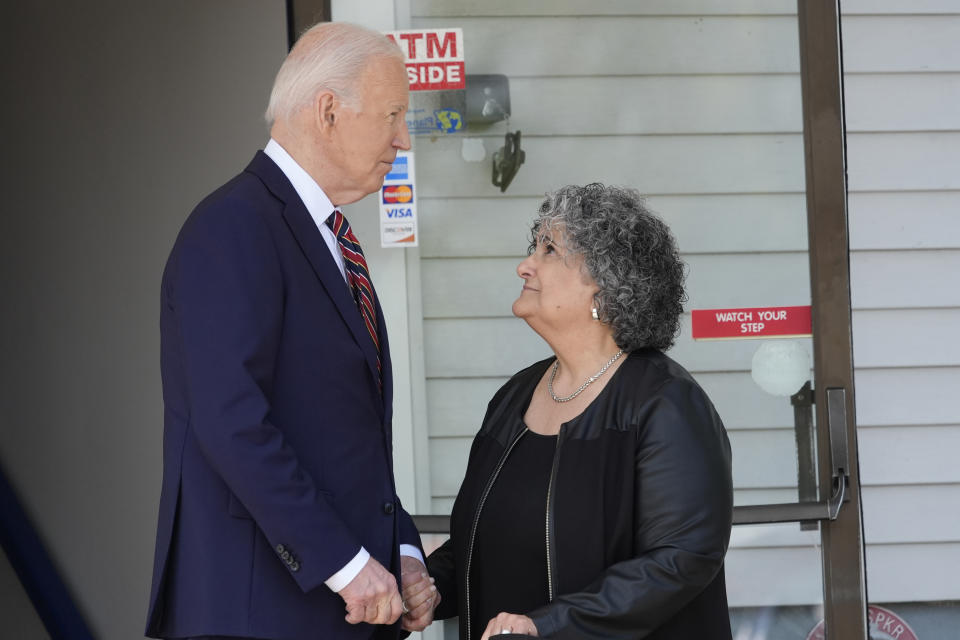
(767, 513)
(839, 449)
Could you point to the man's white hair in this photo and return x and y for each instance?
(330, 56)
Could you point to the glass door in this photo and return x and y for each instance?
(728, 114)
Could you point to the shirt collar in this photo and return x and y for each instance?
(316, 201)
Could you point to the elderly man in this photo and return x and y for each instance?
(278, 512)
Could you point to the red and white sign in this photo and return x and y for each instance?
(756, 322)
(434, 58)
(884, 625)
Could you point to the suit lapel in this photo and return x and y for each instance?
(314, 247)
(385, 364)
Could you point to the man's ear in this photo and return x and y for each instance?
(326, 110)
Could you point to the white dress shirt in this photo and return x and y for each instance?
(320, 208)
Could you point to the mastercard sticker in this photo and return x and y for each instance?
(397, 193)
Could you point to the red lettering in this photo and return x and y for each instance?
(435, 48)
(411, 39)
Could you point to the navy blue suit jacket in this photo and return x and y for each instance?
(277, 454)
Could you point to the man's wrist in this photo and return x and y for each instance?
(412, 551)
(342, 578)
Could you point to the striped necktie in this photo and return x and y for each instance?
(357, 275)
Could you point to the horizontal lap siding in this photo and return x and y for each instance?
(912, 396)
(478, 227)
(655, 164)
(791, 576)
(906, 278)
(898, 457)
(902, 44)
(626, 45)
(903, 88)
(459, 402)
(902, 221)
(487, 287)
(502, 346)
(698, 164)
(711, 130)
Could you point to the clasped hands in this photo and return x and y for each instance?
(372, 596)
(420, 597)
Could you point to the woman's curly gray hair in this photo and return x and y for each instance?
(631, 255)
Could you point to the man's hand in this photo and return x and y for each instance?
(510, 623)
(419, 595)
(372, 596)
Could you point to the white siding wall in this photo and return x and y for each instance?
(903, 119)
(697, 103)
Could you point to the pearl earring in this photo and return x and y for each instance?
(594, 314)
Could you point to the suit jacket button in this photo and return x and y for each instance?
(280, 548)
(295, 566)
(388, 508)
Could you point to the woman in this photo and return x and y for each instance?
(597, 500)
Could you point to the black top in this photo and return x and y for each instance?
(509, 567)
(641, 502)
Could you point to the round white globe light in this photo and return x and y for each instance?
(780, 367)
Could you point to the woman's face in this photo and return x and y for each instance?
(557, 292)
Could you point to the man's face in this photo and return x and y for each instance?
(367, 137)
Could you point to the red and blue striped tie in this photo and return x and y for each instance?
(358, 276)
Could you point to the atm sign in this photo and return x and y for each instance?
(434, 58)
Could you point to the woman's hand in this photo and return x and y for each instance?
(510, 623)
(420, 597)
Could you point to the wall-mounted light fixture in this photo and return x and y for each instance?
(488, 101)
(488, 98)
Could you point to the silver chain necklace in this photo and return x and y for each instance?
(590, 380)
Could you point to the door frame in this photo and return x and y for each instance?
(839, 510)
(821, 72)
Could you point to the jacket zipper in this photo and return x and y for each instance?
(550, 550)
(476, 518)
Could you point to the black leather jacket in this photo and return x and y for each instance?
(638, 510)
